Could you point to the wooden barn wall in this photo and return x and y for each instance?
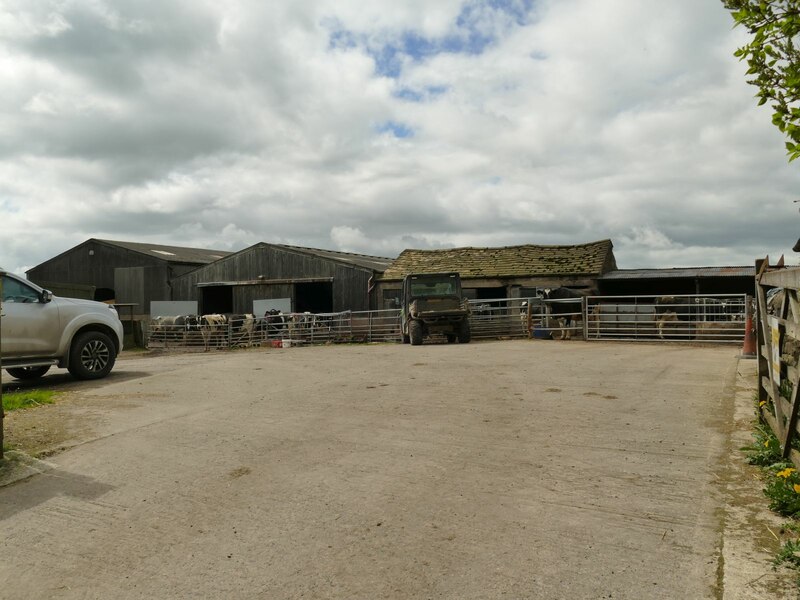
(77, 266)
(350, 289)
(349, 286)
(272, 263)
(141, 285)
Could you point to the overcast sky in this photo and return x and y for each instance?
(376, 126)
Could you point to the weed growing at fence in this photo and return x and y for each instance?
(27, 399)
(783, 489)
(789, 556)
(765, 450)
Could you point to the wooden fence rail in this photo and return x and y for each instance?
(778, 350)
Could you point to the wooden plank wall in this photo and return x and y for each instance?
(778, 350)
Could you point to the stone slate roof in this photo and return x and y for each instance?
(528, 260)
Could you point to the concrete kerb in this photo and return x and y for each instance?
(748, 539)
(18, 466)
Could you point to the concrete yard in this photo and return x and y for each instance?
(527, 469)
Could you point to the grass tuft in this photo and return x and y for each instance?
(27, 399)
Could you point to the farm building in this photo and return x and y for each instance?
(505, 272)
(694, 280)
(125, 272)
(292, 278)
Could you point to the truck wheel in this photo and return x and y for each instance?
(92, 355)
(25, 373)
(415, 333)
(464, 334)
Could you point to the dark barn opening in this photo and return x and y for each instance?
(217, 299)
(490, 293)
(313, 297)
(104, 294)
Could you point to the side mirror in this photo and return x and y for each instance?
(46, 296)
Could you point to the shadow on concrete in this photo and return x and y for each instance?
(44, 483)
(62, 380)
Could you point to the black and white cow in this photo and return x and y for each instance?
(172, 328)
(242, 328)
(272, 325)
(214, 329)
(674, 317)
(565, 308)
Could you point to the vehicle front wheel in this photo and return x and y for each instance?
(25, 373)
(92, 355)
(464, 334)
(415, 333)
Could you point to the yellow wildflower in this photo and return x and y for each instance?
(766, 444)
(785, 473)
(796, 487)
(762, 403)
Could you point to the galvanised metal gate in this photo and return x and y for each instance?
(699, 318)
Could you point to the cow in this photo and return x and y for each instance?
(775, 298)
(242, 327)
(668, 321)
(300, 324)
(323, 325)
(271, 325)
(565, 309)
(214, 329)
(172, 327)
(675, 314)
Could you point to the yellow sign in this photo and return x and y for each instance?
(775, 359)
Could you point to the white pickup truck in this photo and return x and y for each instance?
(39, 330)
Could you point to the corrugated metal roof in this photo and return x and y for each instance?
(178, 254)
(677, 273)
(509, 261)
(375, 263)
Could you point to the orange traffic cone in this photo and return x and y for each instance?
(749, 346)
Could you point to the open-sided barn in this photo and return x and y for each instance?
(304, 279)
(504, 272)
(126, 272)
(690, 280)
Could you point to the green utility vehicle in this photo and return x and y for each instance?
(432, 303)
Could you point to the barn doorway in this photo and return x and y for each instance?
(490, 293)
(313, 297)
(216, 299)
(104, 295)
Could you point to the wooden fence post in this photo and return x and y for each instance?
(765, 328)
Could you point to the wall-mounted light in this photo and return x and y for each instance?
(91, 252)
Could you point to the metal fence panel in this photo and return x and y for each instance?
(499, 317)
(700, 318)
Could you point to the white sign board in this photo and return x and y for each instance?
(262, 306)
(162, 308)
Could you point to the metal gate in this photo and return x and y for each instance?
(689, 317)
